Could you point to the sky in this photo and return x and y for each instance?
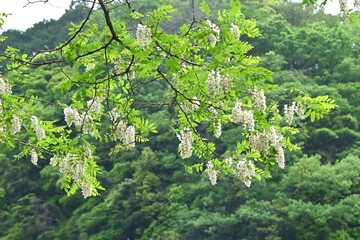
(23, 17)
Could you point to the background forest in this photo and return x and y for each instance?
(148, 193)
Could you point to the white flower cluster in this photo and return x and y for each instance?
(215, 36)
(186, 139)
(121, 132)
(5, 88)
(229, 161)
(258, 99)
(259, 142)
(84, 120)
(94, 105)
(143, 36)
(211, 172)
(74, 166)
(217, 126)
(34, 157)
(235, 31)
(245, 117)
(15, 124)
(245, 170)
(39, 131)
(216, 83)
(296, 107)
(276, 141)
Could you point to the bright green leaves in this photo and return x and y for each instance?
(319, 106)
(204, 7)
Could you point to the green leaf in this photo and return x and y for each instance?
(204, 7)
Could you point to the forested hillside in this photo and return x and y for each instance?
(148, 193)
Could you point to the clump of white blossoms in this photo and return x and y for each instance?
(216, 83)
(229, 161)
(217, 128)
(34, 157)
(260, 142)
(214, 37)
(300, 110)
(39, 131)
(258, 99)
(143, 36)
(186, 139)
(94, 105)
(122, 132)
(211, 172)
(5, 88)
(245, 170)
(15, 124)
(289, 112)
(129, 138)
(276, 141)
(245, 117)
(295, 107)
(74, 166)
(235, 31)
(72, 116)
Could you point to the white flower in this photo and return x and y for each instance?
(119, 130)
(229, 161)
(185, 147)
(259, 100)
(280, 157)
(217, 132)
(90, 66)
(217, 83)
(260, 142)
(86, 189)
(72, 116)
(15, 124)
(235, 31)
(39, 131)
(245, 117)
(94, 105)
(5, 88)
(211, 172)
(143, 36)
(34, 157)
(289, 112)
(245, 170)
(129, 138)
(114, 115)
(54, 161)
(300, 110)
(214, 37)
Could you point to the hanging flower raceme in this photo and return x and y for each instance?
(214, 37)
(245, 117)
(245, 170)
(72, 116)
(15, 124)
(258, 99)
(5, 88)
(186, 139)
(211, 172)
(143, 36)
(94, 105)
(39, 131)
(34, 156)
(235, 30)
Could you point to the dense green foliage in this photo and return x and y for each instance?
(150, 196)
